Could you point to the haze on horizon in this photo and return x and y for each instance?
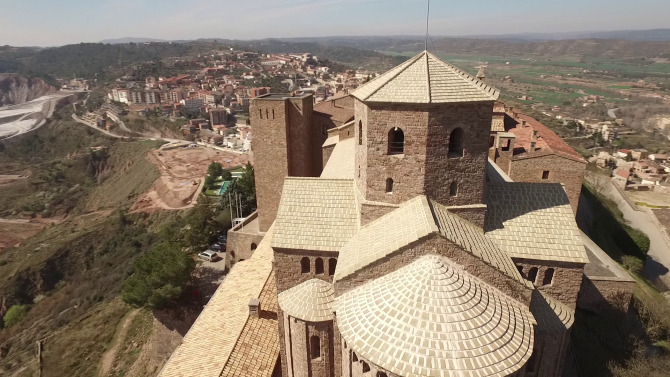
(51, 23)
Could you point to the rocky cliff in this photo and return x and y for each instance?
(16, 89)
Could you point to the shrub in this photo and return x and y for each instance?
(632, 264)
(14, 315)
(159, 277)
(640, 239)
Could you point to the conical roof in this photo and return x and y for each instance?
(309, 301)
(426, 78)
(430, 318)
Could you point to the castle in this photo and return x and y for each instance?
(398, 245)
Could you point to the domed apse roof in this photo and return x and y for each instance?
(426, 78)
(430, 318)
(309, 301)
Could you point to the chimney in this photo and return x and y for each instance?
(523, 124)
(254, 307)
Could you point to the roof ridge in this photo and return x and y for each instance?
(428, 88)
(401, 68)
(475, 82)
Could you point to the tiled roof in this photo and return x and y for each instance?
(472, 238)
(316, 214)
(257, 349)
(335, 113)
(547, 139)
(415, 219)
(534, 221)
(498, 123)
(551, 315)
(431, 318)
(341, 162)
(381, 237)
(332, 140)
(208, 345)
(425, 78)
(310, 301)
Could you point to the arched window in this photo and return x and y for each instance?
(360, 132)
(396, 141)
(332, 264)
(548, 276)
(532, 275)
(304, 265)
(319, 266)
(253, 246)
(456, 143)
(315, 346)
(354, 357)
(389, 186)
(453, 189)
(366, 367)
(381, 374)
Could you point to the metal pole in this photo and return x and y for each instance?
(230, 206)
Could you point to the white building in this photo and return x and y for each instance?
(193, 104)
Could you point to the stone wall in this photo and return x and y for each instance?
(239, 246)
(360, 127)
(325, 154)
(569, 173)
(549, 354)
(424, 167)
(303, 138)
(438, 245)
(288, 272)
(347, 102)
(604, 294)
(371, 211)
(566, 282)
(270, 155)
(475, 214)
(323, 365)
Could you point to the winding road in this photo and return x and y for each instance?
(658, 259)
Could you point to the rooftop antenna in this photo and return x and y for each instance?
(427, 18)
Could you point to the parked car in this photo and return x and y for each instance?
(217, 246)
(223, 238)
(208, 255)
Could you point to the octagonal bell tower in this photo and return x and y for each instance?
(423, 128)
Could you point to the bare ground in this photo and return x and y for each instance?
(108, 357)
(182, 173)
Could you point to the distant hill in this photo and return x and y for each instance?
(592, 47)
(130, 40)
(653, 35)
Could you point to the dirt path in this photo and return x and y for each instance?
(108, 358)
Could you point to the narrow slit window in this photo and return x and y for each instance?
(532, 275)
(304, 265)
(453, 189)
(548, 276)
(396, 141)
(319, 266)
(315, 345)
(389, 186)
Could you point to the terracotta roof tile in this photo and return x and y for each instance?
(546, 140)
(336, 113)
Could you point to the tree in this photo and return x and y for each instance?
(629, 157)
(214, 170)
(159, 277)
(201, 224)
(14, 315)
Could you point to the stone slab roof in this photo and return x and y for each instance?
(257, 349)
(341, 164)
(533, 221)
(431, 318)
(316, 214)
(332, 140)
(381, 237)
(498, 123)
(413, 220)
(551, 315)
(217, 329)
(472, 238)
(425, 78)
(309, 301)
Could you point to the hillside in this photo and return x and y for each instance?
(15, 89)
(615, 48)
(70, 275)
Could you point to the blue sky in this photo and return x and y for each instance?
(53, 22)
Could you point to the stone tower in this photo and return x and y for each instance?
(284, 123)
(422, 129)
